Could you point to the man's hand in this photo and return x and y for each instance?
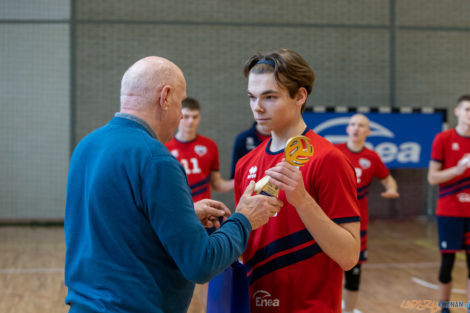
(208, 211)
(258, 208)
(390, 194)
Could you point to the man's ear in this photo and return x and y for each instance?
(164, 94)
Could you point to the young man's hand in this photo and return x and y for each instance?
(288, 178)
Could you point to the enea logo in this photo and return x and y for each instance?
(264, 299)
(389, 151)
(463, 197)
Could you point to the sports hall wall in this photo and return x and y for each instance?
(61, 62)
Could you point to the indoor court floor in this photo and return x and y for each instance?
(401, 272)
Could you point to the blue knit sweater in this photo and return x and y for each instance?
(134, 242)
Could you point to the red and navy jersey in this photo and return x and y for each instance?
(199, 158)
(287, 270)
(454, 195)
(367, 165)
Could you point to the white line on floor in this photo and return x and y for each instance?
(401, 265)
(434, 286)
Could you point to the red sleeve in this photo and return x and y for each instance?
(437, 151)
(335, 188)
(381, 171)
(237, 183)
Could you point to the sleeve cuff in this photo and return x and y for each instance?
(243, 220)
(351, 219)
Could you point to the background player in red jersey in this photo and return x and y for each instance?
(449, 167)
(296, 261)
(198, 154)
(368, 165)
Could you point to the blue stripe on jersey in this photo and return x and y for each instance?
(454, 191)
(347, 219)
(281, 244)
(285, 243)
(198, 192)
(441, 189)
(366, 187)
(363, 233)
(289, 242)
(360, 196)
(283, 261)
(363, 191)
(201, 182)
(436, 160)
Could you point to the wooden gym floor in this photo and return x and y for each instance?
(403, 265)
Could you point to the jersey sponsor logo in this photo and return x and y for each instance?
(252, 172)
(463, 197)
(264, 299)
(200, 150)
(364, 163)
(455, 146)
(174, 153)
(405, 152)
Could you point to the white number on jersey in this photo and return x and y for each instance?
(195, 166)
(358, 174)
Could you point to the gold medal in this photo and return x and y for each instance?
(297, 152)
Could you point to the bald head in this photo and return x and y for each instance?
(358, 130)
(144, 80)
(153, 89)
(360, 118)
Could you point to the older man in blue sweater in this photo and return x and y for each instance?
(134, 240)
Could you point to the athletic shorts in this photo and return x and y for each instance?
(363, 254)
(454, 234)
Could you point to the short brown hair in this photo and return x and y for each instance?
(463, 98)
(191, 104)
(290, 70)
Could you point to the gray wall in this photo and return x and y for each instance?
(364, 53)
(35, 108)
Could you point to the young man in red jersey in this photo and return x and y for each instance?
(449, 167)
(368, 165)
(198, 154)
(296, 261)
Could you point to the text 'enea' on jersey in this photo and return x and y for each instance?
(262, 298)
